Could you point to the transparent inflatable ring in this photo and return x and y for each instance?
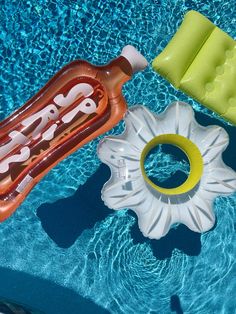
(190, 150)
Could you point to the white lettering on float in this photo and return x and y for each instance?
(49, 134)
(46, 114)
(16, 138)
(22, 156)
(82, 88)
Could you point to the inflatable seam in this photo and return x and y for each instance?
(194, 57)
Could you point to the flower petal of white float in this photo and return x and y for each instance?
(158, 208)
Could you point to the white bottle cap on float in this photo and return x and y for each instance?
(136, 60)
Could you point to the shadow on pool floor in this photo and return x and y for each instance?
(180, 238)
(44, 295)
(175, 305)
(67, 218)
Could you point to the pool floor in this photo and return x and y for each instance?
(64, 251)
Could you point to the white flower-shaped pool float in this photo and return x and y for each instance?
(158, 208)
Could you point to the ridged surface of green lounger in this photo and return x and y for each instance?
(200, 60)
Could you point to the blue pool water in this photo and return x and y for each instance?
(63, 251)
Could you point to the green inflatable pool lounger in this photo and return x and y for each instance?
(200, 60)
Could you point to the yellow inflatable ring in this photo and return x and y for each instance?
(190, 150)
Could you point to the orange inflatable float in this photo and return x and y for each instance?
(79, 103)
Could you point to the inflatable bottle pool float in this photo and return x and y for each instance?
(78, 104)
(200, 60)
(158, 208)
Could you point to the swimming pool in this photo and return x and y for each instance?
(94, 259)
